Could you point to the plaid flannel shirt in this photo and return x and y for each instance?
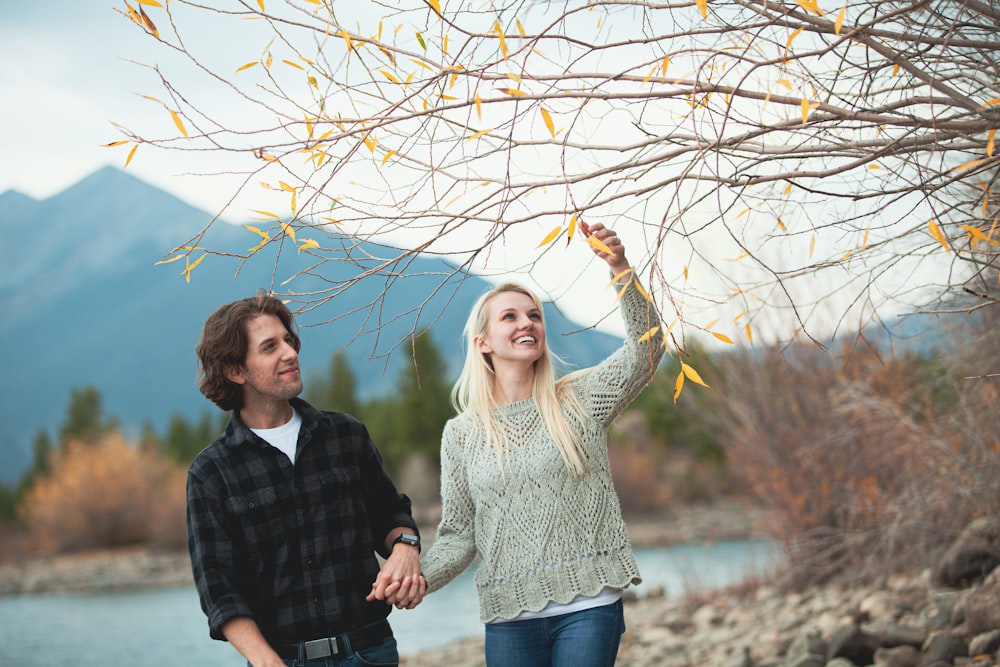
(293, 547)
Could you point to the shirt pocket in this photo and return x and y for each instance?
(342, 498)
(259, 520)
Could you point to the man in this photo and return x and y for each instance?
(287, 508)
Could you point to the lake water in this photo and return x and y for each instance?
(166, 628)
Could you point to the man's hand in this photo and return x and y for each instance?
(399, 582)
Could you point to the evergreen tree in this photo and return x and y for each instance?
(85, 417)
(425, 401)
(338, 391)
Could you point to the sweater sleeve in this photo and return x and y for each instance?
(454, 547)
(607, 389)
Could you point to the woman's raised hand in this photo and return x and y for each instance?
(616, 260)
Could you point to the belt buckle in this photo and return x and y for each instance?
(320, 648)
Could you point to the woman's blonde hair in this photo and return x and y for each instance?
(473, 391)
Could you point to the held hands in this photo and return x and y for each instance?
(616, 260)
(399, 582)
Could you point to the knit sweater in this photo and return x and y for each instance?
(541, 533)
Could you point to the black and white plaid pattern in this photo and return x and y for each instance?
(292, 547)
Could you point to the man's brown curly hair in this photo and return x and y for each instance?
(224, 345)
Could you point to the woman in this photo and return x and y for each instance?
(526, 484)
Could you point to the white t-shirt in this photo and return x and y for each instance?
(284, 437)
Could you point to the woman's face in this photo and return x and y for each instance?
(514, 330)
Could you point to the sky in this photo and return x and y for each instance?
(71, 69)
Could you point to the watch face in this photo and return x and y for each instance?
(406, 538)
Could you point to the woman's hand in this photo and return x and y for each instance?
(616, 260)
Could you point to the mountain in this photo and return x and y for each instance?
(84, 303)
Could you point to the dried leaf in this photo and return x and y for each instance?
(692, 374)
(151, 3)
(989, 142)
(387, 156)
(267, 214)
(679, 383)
(479, 106)
(178, 123)
(479, 134)
(599, 244)
(131, 154)
(420, 41)
(547, 119)
(550, 237)
(308, 244)
(703, 8)
(503, 42)
(978, 234)
(389, 76)
(512, 91)
(723, 337)
(289, 230)
(436, 6)
(795, 34)
(247, 66)
(285, 186)
(749, 333)
(571, 230)
(190, 267)
(292, 64)
(840, 20)
(938, 235)
(969, 165)
(649, 334)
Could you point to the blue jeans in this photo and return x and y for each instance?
(384, 655)
(587, 638)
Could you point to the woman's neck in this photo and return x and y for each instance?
(513, 383)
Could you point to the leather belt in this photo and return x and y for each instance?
(366, 637)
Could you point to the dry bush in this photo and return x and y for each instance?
(103, 495)
(871, 464)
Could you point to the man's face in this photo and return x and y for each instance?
(271, 372)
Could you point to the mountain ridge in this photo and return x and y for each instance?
(85, 304)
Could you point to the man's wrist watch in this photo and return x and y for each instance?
(409, 539)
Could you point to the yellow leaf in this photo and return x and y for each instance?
(978, 234)
(788, 188)
(292, 64)
(116, 143)
(247, 66)
(289, 230)
(723, 337)
(619, 276)
(938, 235)
(664, 65)
(387, 156)
(267, 214)
(512, 91)
(703, 8)
(692, 374)
(260, 3)
(639, 288)
(895, 69)
(812, 244)
(969, 165)
(989, 142)
(599, 244)
(991, 103)
(514, 77)
(444, 45)
(421, 64)
(840, 20)
(806, 108)
(169, 260)
(520, 28)
(389, 76)
(190, 267)
(748, 333)
(285, 186)
(151, 3)
(550, 236)
(479, 106)
(448, 97)
(479, 134)
(255, 230)
(649, 76)
(679, 383)
(548, 122)
(131, 153)
(436, 6)
(371, 142)
(786, 83)
(649, 334)
(347, 40)
(811, 6)
(795, 34)
(503, 42)
(178, 123)
(308, 244)
(572, 229)
(781, 225)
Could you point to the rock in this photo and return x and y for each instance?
(982, 606)
(943, 647)
(899, 656)
(854, 644)
(972, 556)
(985, 644)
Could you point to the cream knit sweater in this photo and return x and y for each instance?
(540, 533)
